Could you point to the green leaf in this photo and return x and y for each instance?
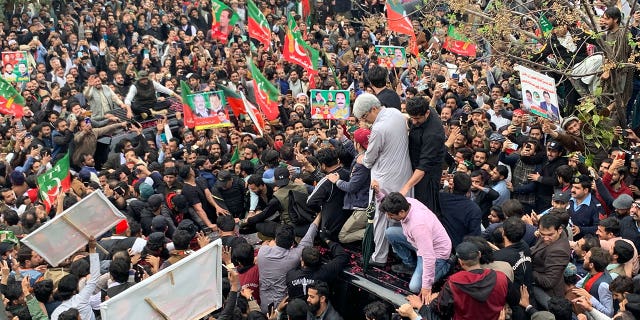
(596, 119)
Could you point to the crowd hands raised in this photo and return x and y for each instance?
(490, 211)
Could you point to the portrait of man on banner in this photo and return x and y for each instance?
(330, 104)
(210, 109)
(15, 66)
(223, 25)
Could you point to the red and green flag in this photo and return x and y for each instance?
(397, 19)
(189, 119)
(459, 44)
(234, 100)
(11, 101)
(224, 18)
(258, 25)
(297, 51)
(254, 114)
(55, 180)
(266, 93)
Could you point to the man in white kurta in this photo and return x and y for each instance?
(387, 156)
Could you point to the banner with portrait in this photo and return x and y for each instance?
(391, 56)
(224, 18)
(15, 66)
(330, 104)
(539, 94)
(209, 109)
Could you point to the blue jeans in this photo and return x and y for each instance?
(405, 251)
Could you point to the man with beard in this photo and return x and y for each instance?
(319, 305)
(609, 232)
(102, 100)
(499, 175)
(614, 177)
(426, 151)
(629, 226)
(495, 148)
(546, 179)
(571, 138)
(482, 195)
(596, 283)
(142, 94)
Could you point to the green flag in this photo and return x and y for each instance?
(56, 180)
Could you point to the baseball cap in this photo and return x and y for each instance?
(281, 176)
(623, 201)
(224, 176)
(561, 196)
(159, 223)
(582, 178)
(467, 251)
(361, 136)
(497, 137)
(553, 145)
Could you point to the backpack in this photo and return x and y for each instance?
(299, 213)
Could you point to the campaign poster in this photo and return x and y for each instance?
(224, 18)
(330, 104)
(209, 109)
(391, 56)
(539, 94)
(15, 67)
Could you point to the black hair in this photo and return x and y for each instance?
(376, 310)
(320, 286)
(393, 203)
(255, 179)
(461, 183)
(119, 270)
(80, 268)
(565, 172)
(226, 223)
(621, 284)
(610, 224)
(623, 250)
(502, 170)
(599, 258)
(514, 229)
(512, 208)
(285, 236)
(486, 252)
(43, 290)
(242, 254)
(327, 156)
(417, 106)
(377, 76)
(311, 257)
(11, 217)
(561, 308)
(181, 239)
(69, 314)
(590, 241)
(247, 167)
(614, 13)
(550, 221)
(24, 255)
(67, 287)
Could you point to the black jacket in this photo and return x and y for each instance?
(231, 199)
(328, 199)
(299, 278)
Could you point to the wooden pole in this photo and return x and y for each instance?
(83, 233)
(156, 308)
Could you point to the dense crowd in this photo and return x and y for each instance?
(488, 210)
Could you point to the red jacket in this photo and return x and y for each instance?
(606, 180)
(473, 295)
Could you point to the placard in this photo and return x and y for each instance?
(189, 289)
(330, 104)
(539, 94)
(15, 67)
(391, 56)
(209, 109)
(67, 232)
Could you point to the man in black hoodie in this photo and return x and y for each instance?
(517, 253)
(312, 269)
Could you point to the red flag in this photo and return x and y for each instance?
(234, 100)
(458, 43)
(258, 25)
(254, 114)
(397, 19)
(297, 51)
(306, 8)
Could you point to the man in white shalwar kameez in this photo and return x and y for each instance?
(387, 156)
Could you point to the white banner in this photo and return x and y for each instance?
(189, 289)
(67, 233)
(539, 94)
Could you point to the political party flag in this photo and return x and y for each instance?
(397, 19)
(297, 51)
(11, 101)
(258, 25)
(185, 92)
(55, 180)
(458, 43)
(254, 114)
(235, 157)
(234, 100)
(224, 18)
(545, 25)
(265, 92)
